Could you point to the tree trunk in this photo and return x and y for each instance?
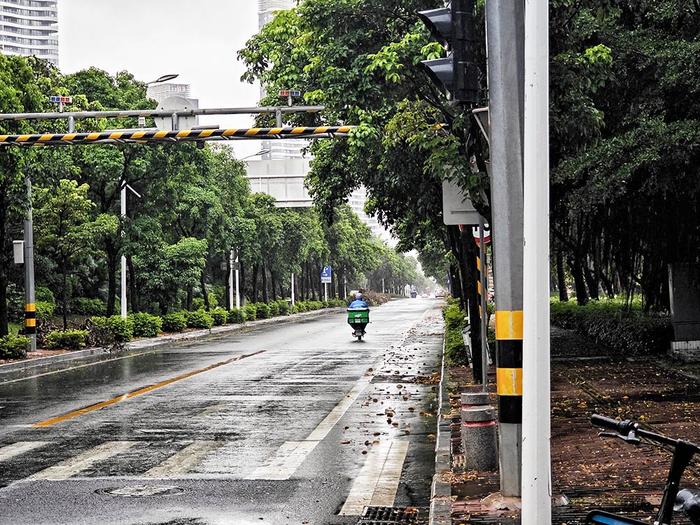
(64, 294)
(266, 295)
(229, 285)
(591, 282)
(561, 278)
(579, 280)
(188, 306)
(205, 294)
(133, 289)
(241, 282)
(255, 283)
(273, 281)
(112, 263)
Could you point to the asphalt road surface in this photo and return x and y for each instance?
(296, 424)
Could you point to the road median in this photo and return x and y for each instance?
(34, 367)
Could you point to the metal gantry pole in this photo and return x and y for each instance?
(231, 278)
(238, 291)
(536, 483)
(29, 292)
(505, 28)
(123, 258)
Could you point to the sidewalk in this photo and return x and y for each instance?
(588, 471)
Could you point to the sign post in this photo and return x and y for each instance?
(326, 279)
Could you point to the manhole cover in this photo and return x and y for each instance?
(140, 491)
(388, 516)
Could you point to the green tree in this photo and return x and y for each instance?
(66, 231)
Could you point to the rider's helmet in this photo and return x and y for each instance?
(358, 296)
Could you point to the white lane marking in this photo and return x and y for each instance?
(21, 447)
(288, 459)
(73, 466)
(379, 478)
(292, 454)
(388, 484)
(185, 460)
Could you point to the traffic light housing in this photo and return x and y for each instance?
(457, 74)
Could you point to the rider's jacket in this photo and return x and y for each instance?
(358, 303)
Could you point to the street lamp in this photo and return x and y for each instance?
(164, 78)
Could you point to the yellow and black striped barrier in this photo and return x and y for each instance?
(509, 374)
(29, 319)
(146, 136)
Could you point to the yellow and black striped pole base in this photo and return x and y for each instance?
(30, 319)
(509, 374)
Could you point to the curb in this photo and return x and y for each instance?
(441, 490)
(42, 365)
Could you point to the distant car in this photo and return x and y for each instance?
(440, 294)
(414, 294)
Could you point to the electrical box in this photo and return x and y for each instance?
(18, 251)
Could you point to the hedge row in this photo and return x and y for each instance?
(13, 346)
(455, 322)
(110, 331)
(612, 324)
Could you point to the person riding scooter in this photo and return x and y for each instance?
(358, 316)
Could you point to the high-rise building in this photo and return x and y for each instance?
(279, 148)
(29, 27)
(267, 8)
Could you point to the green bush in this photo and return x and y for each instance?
(274, 309)
(250, 312)
(220, 316)
(455, 350)
(612, 324)
(262, 311)
(282, 307)
(174, 322)
(294, 309)
(146, 325)
(45, 295)
(198, 302)
(68, 339)
(44, 310)
(300, 307)
(13, 346)
(314, 305)
(236, 316)
(199, 319)
(113, 329)
(85, 306)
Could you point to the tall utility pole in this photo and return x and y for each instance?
(537, 470)
(505, 34)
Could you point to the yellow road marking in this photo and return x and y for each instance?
(141, 391)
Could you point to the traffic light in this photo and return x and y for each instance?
(457, 74)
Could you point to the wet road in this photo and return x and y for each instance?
(290, 424)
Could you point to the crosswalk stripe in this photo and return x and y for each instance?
(185, 460)
(75, 465)
(379, 478)
(292, 454)
(21, 447)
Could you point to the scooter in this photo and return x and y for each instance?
(358, 319)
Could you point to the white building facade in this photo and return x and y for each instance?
(29, 28)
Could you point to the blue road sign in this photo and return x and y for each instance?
(327, 274)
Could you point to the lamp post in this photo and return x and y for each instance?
(125, 186)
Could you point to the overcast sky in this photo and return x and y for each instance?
(198, 39)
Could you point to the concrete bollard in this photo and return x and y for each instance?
(479, 436)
